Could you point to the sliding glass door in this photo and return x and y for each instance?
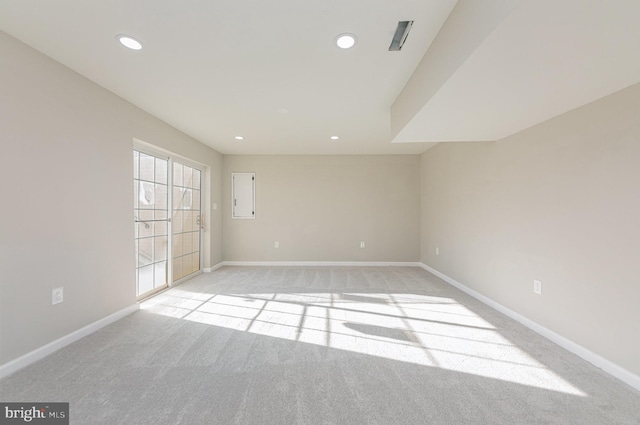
(160, 237)
(187, 220)
(151, 213)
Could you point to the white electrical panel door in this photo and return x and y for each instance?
(243, 187)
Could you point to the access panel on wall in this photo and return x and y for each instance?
(243, 195)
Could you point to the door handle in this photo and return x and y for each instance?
(200, 221)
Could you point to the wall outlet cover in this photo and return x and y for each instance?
(537, 287)
(57, 295)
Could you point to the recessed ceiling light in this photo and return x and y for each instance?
(239, 138)
(129, 42)
(346, 40)
(283, 111)
(334, 137)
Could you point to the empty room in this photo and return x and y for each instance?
(320, 212)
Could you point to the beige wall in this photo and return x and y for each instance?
(66, 189)
(560, 203)
(320, 207)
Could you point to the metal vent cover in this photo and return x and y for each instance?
(400, 36)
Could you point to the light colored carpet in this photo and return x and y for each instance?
(343, 345)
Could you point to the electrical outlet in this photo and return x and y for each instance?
(214, 206)
(537, 287)
(276, 244)
(437, 251)
(362, 244)
(57, 295)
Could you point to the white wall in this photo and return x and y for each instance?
(66, 215)
(559, 202)
(321, 207)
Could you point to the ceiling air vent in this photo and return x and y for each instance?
(402, 32)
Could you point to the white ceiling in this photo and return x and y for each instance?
(546, 57)
(220, 68)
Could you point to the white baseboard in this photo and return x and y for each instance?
(40, 353)
(593, 358)
(214, 268)
(322, 263)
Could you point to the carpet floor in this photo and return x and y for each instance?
(321, 345)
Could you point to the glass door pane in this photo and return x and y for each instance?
(186, 220)
(151, 213)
